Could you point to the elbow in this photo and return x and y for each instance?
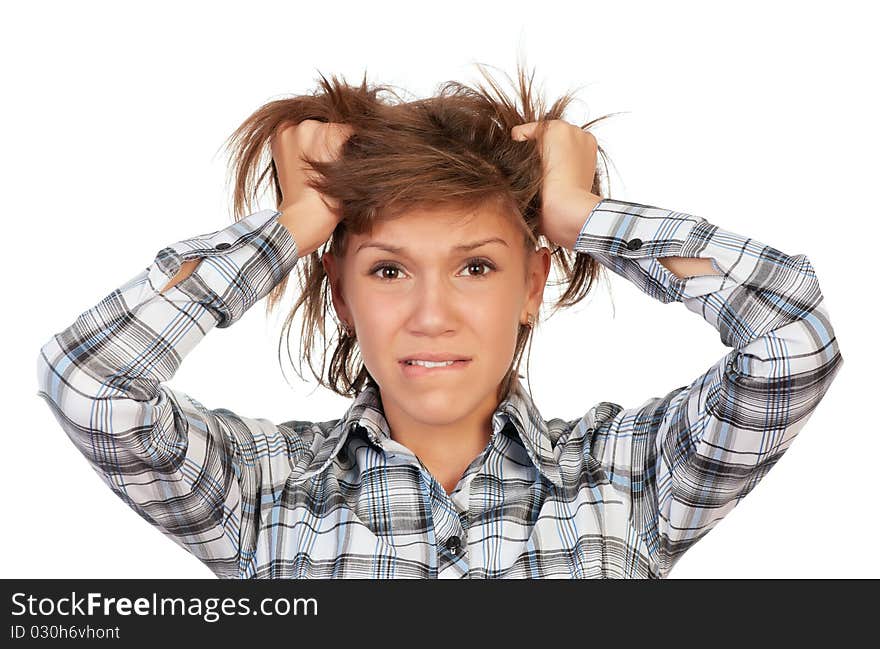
(762, 394)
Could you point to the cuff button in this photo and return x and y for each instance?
(634, 244)
(223, 245)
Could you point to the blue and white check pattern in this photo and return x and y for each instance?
(619, 492)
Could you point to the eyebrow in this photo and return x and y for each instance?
(397, 250)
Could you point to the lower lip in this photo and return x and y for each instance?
(415, 371)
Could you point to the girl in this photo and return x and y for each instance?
(442, 467)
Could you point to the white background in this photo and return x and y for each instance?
(759, 116)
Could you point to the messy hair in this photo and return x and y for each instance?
(452, 150)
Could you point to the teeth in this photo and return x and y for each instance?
(430, 363)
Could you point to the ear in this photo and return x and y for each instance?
(538, 270)
(333, 269)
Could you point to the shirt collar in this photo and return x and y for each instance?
(517, 411)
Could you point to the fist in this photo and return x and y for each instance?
(321, 141)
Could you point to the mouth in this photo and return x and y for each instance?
(412, 370)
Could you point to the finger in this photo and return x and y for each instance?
(335, 137)
(523, 131)
(341, 133)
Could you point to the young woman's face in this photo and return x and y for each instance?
(415, 285)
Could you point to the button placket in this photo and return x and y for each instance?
(445, 516)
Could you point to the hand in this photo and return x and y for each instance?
(568, 156)
(311, 215)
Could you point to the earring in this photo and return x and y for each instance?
(531, 322)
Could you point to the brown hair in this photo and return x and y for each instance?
(451, 150)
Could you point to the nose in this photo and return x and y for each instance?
(436, 307)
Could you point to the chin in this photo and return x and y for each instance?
(437, 404)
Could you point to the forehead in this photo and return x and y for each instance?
(440, 228)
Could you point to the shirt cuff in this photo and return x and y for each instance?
(629, 237)
(241, 264)
(635, 231)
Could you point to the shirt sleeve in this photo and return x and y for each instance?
(686, 459)
(198, 475)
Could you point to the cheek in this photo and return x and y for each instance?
(492, 316)
(379, 319)
(494, 323)
(503, 329)
(378, 312)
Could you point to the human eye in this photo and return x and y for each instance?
(383, 266)
(383, 276)
(478, 262)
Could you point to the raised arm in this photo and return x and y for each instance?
(686, 459)
(203, 477)
(196, 474)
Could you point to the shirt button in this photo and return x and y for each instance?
(222, 245)
(634, 244)
(453, 544)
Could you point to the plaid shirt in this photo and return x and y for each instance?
(618, 492)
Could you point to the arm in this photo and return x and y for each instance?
(686, 459)
(201, 476)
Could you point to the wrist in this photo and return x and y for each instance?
(572, 211)
(295, 217)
